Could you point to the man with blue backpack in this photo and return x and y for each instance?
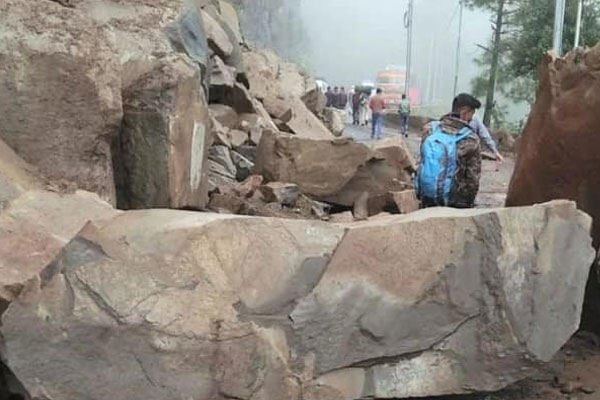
(450, 165)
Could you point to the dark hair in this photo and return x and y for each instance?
(465, 100)
(403, 96)
(335, 88)
(379, 91)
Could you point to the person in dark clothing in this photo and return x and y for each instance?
(342, 99)
(356, 107)
(335, 97)
(329, 96)
(465, 184)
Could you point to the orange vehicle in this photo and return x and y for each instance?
(392, 82)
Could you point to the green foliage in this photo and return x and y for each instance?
(527, 36)
(533, 37)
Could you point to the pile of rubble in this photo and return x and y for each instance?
(123, 121)
(165, 106)
(155, 304)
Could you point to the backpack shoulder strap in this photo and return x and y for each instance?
(463, 134)
(435, 127)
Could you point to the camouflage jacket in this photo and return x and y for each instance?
(466, 182)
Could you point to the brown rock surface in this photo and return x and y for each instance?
(406, 201)
(217, 38)
(225, 115)
(61, 102)
(271, 76)
(34, 227)
(169, 304)
(334, 120)
(165, 138)
(152, 297)
(320, 168)
(162, 47)
(315, 100)
(297, 118)
(221, 74)
(231, 18)
(337, 171)
(16, 176)
(388, 170)
(557, 156)
(286, 194)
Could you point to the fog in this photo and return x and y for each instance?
(349, 40)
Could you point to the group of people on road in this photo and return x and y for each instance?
(337, 98)
(450, 158)
(377, 105)
(354, 102)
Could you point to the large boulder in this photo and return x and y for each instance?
(320, 168)
(169, 304)
(165, 138)
(297, 118)
(161, 153)
(153, 295)
(389, 169)
(557, 156)
(337, 171)
(61, 101)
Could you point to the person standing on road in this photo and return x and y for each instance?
(404, 115)
(335, 96)
(342, 99)
(329, 96)
(363, 109)
(481, 130)
(356, 107)
(450, 164)
(377, 106)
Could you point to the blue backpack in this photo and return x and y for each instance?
(438, 165)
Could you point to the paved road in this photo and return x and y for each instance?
(494, 179)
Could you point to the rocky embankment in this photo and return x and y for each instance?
(143, 144)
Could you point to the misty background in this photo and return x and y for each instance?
(348, 41)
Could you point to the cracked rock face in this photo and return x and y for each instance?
(61, 100)
(165, 304)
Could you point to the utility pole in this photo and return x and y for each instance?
(460, 25)
(496, 50)
(578, 26)
(408, 24)
(559, 23)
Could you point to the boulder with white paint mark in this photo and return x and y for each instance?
(165, 138)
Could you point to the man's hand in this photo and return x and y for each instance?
(499, 157)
